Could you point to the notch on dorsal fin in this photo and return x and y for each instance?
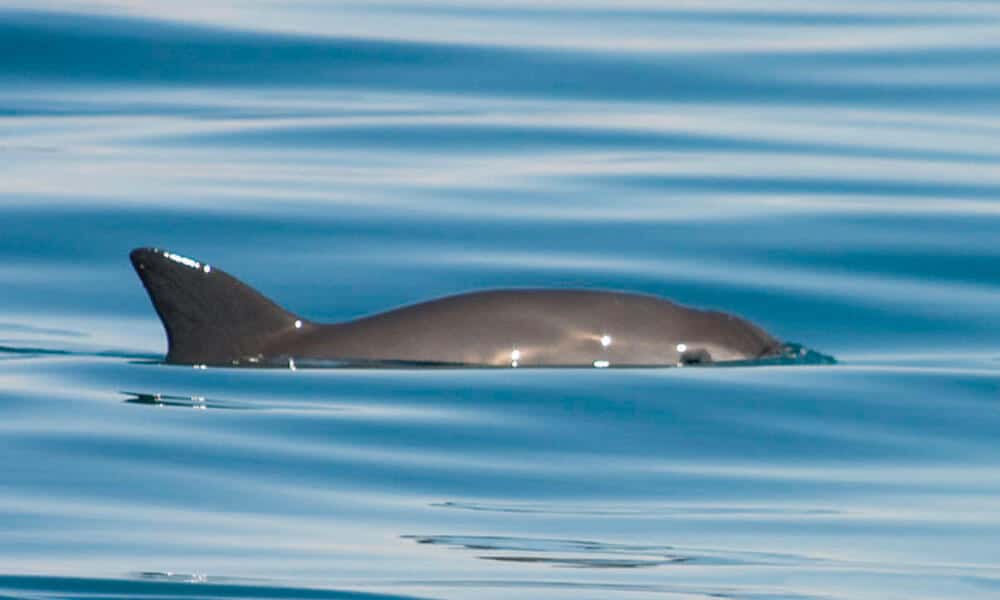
(210, 316)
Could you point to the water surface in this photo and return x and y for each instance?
(825, 169)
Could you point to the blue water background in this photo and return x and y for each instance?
(829, 170)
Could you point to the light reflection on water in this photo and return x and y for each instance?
(825, 169)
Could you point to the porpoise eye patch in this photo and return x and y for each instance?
(695, 356)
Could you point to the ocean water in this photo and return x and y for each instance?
(829, 170)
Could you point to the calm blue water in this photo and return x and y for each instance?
(829, 170)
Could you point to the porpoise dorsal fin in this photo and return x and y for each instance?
(210, 317)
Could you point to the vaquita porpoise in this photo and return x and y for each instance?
(211, 318)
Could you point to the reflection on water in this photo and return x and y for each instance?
(824, 169)
(689, 511)
(167, 400)
(587, 554)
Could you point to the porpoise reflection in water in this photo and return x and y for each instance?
(211, 318)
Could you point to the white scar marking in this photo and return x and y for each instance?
(207, 269)
(298, 324)
(601, 364)
(187, 262)
(682, 347)
(605, 340)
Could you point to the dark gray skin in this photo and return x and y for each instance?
(212, 318)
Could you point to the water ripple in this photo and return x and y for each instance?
(826, 168)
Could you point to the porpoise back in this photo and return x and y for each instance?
(211, 318)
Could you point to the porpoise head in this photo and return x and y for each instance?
(708, 337)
